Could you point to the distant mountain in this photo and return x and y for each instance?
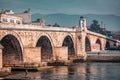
(110, 22)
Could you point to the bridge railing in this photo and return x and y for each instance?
(94, 33)
(100, 35)
(33, 27)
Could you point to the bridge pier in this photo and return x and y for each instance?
(1, 47)
(32, 55)
(61, 53)
(80, 44)
(1, 58)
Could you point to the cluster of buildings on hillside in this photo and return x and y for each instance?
(8, 16)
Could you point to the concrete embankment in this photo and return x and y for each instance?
(105, 56)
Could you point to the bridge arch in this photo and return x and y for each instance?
(68, 41)
(43, 34)
(13, 33)
(107, 45)
(64, 36)
(99, 43)
(87, 44)
(45, 42)
(13, 50)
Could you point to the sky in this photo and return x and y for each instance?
(111, 7)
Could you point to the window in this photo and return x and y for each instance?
(5, 20)
(11, 21)
(18, 22)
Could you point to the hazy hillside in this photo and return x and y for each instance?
(111, 22)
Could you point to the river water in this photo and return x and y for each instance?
(76, 71)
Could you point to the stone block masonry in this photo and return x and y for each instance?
(32, 55)
(0, 58)
(61, 53)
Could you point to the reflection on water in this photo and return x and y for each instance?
(79, 71)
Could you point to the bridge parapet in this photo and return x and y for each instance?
(100, 35)
(33, 27)
(114, 40)
(96, 34)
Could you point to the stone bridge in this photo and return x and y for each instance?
(21, 43)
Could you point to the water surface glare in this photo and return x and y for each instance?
(76, 71)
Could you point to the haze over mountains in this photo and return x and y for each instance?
(110, 22)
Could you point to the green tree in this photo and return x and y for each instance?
(95, 27)
(56, 25)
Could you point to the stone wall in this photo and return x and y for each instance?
(61, 53)
(26, 16)
(32, 55)
(93, 39)
(28, 36)
(1, 58)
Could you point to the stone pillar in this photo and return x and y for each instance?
(93, 44)
(80, 37)
(1, 47)
(61, 53)
(32, 54)
(92, 48)
(80, 43)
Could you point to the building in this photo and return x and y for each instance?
(25, 16)
(39, 22)
(8, 18)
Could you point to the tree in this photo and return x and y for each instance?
(95, 27)
(56, 25)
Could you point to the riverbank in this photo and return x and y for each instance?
(105, 56)
(75, 71)
(7, 72)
